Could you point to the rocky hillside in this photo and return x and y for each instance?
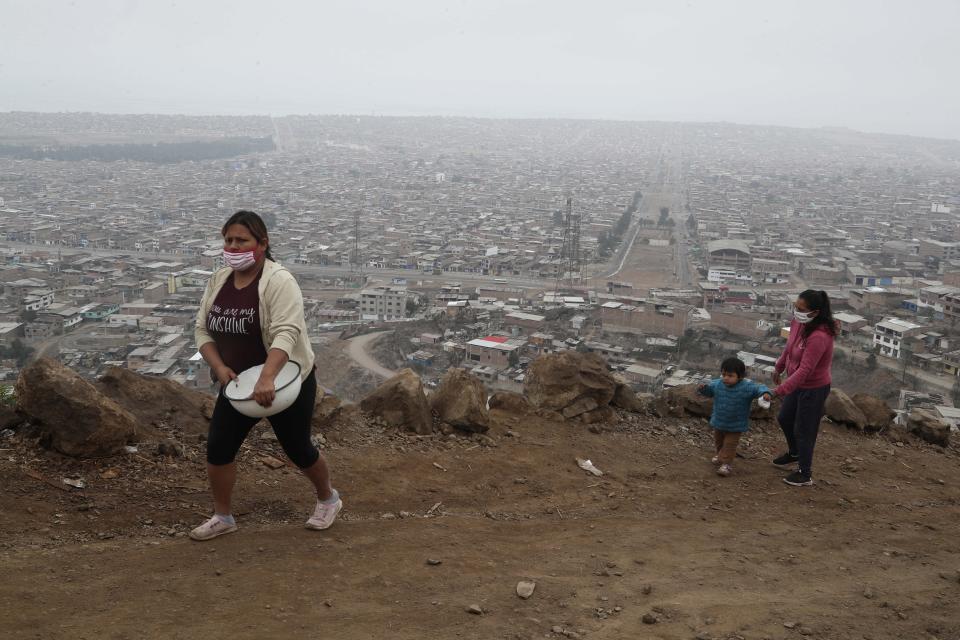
(458, 505)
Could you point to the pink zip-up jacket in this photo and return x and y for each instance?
(806, 359)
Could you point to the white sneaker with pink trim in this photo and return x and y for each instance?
(212, 528)
(324, 515)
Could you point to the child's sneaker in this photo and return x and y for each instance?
(724, 470)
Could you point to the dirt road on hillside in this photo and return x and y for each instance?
(357, 350)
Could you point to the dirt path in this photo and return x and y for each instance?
(357, 350)
(860, 555)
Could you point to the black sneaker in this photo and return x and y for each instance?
(786, 460)
(797, 479)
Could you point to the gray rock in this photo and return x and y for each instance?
(929, 427)
(525, 588)
(841, 409)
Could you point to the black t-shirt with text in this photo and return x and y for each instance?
(234, 324)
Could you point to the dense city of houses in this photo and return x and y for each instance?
(106, 262)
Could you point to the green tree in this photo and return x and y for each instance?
(872, 362)
(955, 393)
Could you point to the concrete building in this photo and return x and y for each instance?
(665, 319)
(938, 249)
(729, 253)
(849, 323)
(383, 303)
(890, 333)
(493, 351)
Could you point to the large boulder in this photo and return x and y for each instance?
(461, 401)
(325, 408)
(510, 402)
(560, 380)
(685, 399)
(759, 413)
(625, 398)
(877, 413)
(73, 417)
(400, 402)
(928, 426)
(842, 410)
(157, 401)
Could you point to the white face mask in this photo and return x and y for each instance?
(239, 260)
(801, 317)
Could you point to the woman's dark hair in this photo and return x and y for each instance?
(734, 365)
(819, 301)
(254, 225)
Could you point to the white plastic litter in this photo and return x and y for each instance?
(130, 449)
(76, 483)
(763, 402)
(587, 466)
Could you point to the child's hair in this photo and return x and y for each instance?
(734, 365)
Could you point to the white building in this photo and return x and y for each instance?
(889, 334)
(726, 275)
(383, 303)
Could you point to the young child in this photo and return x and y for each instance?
(732, 396)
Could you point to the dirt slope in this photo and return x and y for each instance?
(860, 555)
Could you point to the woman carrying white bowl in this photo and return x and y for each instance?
(251, 314)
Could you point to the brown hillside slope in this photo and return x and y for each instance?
(870, 552)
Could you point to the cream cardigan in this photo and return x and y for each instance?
(282, 324)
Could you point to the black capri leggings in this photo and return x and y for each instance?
(229, 428)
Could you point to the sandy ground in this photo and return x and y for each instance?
(647, 267)
(870, 552)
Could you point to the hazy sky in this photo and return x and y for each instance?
(873, 66)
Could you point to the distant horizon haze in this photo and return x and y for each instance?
(886, 67)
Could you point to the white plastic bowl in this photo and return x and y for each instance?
(240, 391)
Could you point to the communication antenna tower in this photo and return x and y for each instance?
(571, 266)
(357, 262)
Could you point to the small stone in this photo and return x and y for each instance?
(649, 618)
(272, 462)
(433, 562)
(475, 609)
(525, 588)
(388, 516)
(647, 589)
(219, 572)
(556, 629)
(790, 625)
(869, 593)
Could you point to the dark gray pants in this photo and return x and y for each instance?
(800, 416)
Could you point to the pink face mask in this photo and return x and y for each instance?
(240, 260)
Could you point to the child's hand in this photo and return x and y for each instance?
(767, 397)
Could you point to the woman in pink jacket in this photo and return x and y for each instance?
(806, 359)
